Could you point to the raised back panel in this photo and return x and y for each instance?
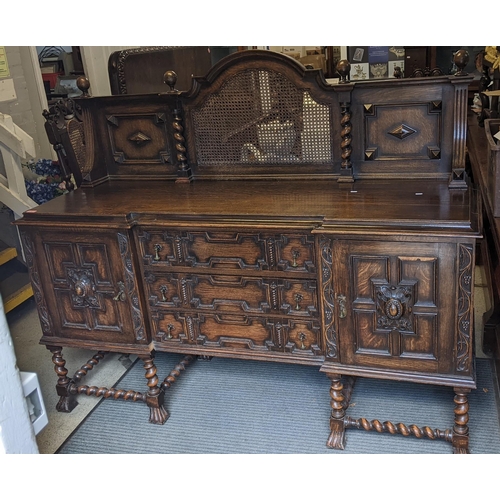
(390, 137)
(260, 117)
(408, 128)
(261, 114)
(139, 138)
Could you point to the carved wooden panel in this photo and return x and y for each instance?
(91, 287)
(303, 338)
(228, 250)
(232, 294)
(399, 308)
(139, 138)
(219, 330)
(397, 132)
(327, 301)
(465, 322)
(34, 272)
(238, 332)
(244, 294)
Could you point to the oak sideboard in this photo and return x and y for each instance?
(265, 214)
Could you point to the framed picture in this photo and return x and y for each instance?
(67, 85)
(375, 61)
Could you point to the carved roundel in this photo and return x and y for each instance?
(395, 306)
(393, 309)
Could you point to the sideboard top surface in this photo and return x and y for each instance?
(412, 204)
(263, 140)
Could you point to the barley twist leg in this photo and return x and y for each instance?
(66, 401)
(175, 373)
(88, 366)
(155, 395)
(460, 438)
(336, 439)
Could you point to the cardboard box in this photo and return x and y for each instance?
(51, 78)
(492, 127)
(294, 52)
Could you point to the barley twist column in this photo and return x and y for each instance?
(460, 439)
(66, 402)
(154, 396)
(337, 429)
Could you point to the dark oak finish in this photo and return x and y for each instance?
(267, 215)
(480, 161)
(140, 70)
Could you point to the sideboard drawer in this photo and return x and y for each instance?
(232, 294)
(237, 332)
(291, 252)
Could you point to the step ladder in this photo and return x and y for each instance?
(15, 145)
(15, 286)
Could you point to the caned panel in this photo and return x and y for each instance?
(259, 117)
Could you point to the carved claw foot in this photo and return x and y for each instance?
(461, 448)
(336, 439)
(337, 428)
(66, 401)
(155, 395)
(66, 404)
(158, 415)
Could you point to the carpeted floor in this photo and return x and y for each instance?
(245, 407)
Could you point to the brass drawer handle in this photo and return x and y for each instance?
(295, 255)
(302, 337)
(120, 296)
(341, 299)
(157, 248)
(170, 328)
(163, 291)
(298, 299)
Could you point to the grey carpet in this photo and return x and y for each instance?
(233, 406)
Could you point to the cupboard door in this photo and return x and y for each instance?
(396, 304)
(89, 285)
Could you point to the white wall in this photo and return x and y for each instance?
(26, 108)
(95, 66)
(16, 430)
